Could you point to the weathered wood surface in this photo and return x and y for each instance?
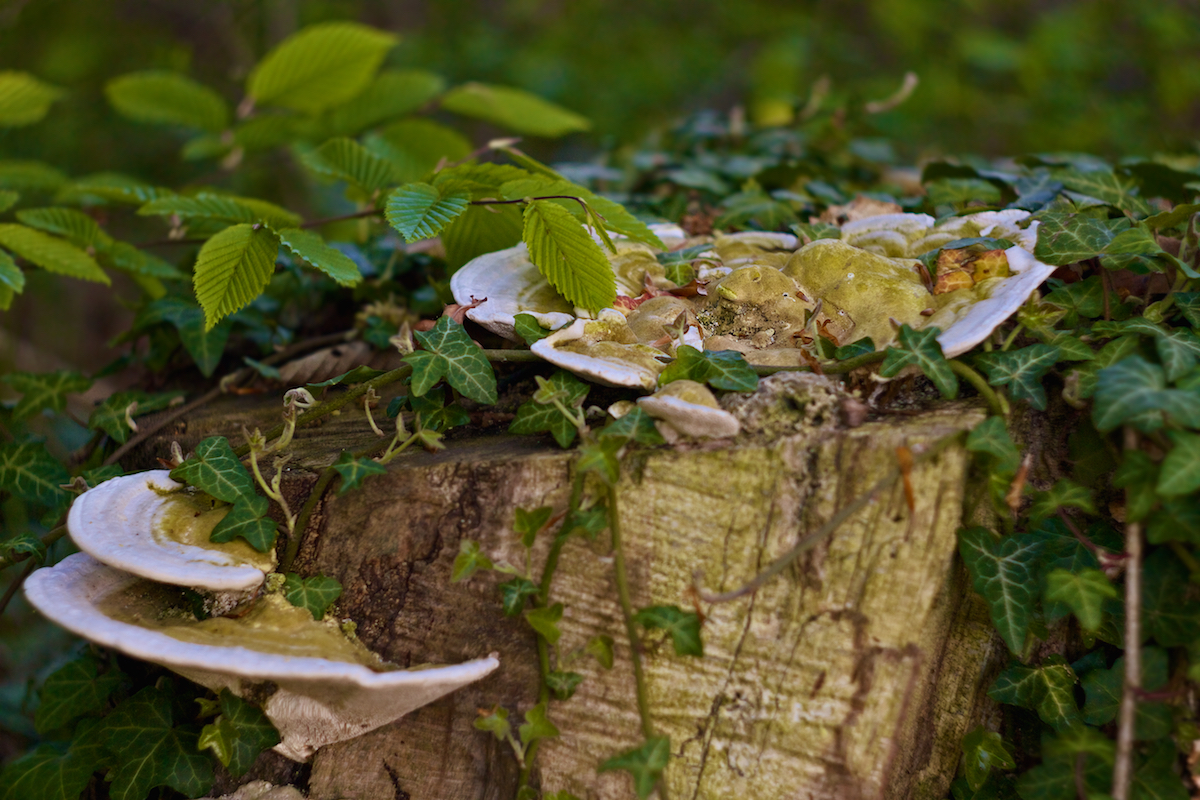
(855, 674)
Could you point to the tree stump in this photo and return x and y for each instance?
(852, 675)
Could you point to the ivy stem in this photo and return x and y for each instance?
(997, 404)
(1123, 768)
(809, 541)
(48, 538)
(15, 585)
(1012, 337)
(635, 648)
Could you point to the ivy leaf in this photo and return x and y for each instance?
(355, 470)
(221, 208)
(1085, 297)
(1048, 689)
(1138, 475)
(26, 543)
(204, 346)
(991, 438)
(536, 726)
(421, 211)
(450, 353)
(169, 98)
(958, 191)
(513, 594)
(232, 269)
(683, 627)
(567, 256)
(588, 522)
(563, 684)
(601, 457)
(1133, 391)
(1188, 304)
(110, 416)
(1181, 468)
(216, 471)
(645, 764)
(150, 751)
(320, 67)
(983, 751)
(74, 690)
(536, 417)
(1005, 573)
(1084, 592)
(1022, 370)
(545, 622)
(313, 249)
(1063, 494)
(247, 519)
(527, 327)
(42, 390)
(529, 523)
(1166, 616)
(1067, 238)
(1106, 185)
(51, 254)
(636, 426)
(922, 349)
(496, 722)
(1154, 777)
(242, 731)
(1177, 520)
(469, 559)
(727, 370)
(50, 773)
(513, 109)
(31, 473)
(1103, 689)
(601, 648)
(316, 594)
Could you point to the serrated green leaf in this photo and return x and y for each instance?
(682, 626)
(316, 594)
(24, 99)
(50, 773)
(393, 93)
(311, 247)
(1167, 616)
(1067, 238)
(129, 259)
(615, 217)
(513, 109)
(232, 269)
(74, 690)
(51, 254)
(1084, 592)
(991, 438)
(69, 223)
(247, 519)
(1133, 391)
(12, 279)
(355, 470)
(479, 230)
(1021, 370)
(417, 146)
(110, 416)
(150, 751)
(470, 558)
(216, 470)
(545, 621)
(983, 751)
(1005, 574)
(528, 328)
(266, 131)
(535, 417)
(421, 211)
(528, 523)
(169, 98)
(486, 179)
(645, 764)
(513, 594)
(347, 160)
(450, 353)
(1106, 185)
(1048, 689)
(922, 349)
(29, 175)
(320, 67)
(31, 473)
(44, 390)
(221, 208)
(567, 256)
(102, 187)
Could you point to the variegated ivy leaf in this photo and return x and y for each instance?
(28, 471)
(1021, 370)
(1134, 392)
(1119, 191)
(113, 415)
(727, 370)
(248, 520)
(536, 417)
(1048, 689)
(991, 438)
(1005, 573)
(1068, 238)
(921, 348)
(355, 470)
(316, 594)
(73, 690)
(44, 390)
(149, 750)
(645, 763)
(216, 470)
(449, 353)
(1083, 592)
(1066, 493)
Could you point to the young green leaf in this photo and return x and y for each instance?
(528, 523)
(1005, 573)
(24, 99)
(126, 258)
(1084, 592)
(168, 98)
(1065, 493)
(991, 438)
(150, 751)
(562, 685)
(1133, 391)
(615, 217)
(513, 594)
(496, 722)
(528, 328)
(534, 417)
(1021, 370)
(636, 426)
(513, 109)
(247, 732)
(536, 726)
(44, 390)
(470, 558)
(1085, 297)
(320, 67)
(545, 621)
(216, 471)
(983, 751)
(588, 522)
(51, 254)
(1103, 689)
(12, 279)
(682, 626)
(355, 470)
(449, 353)
(602, 458)
(922, 349)
(221, 208)
(416, 147)
(112, 416)
(1048, 689)
(567, 256)
(232, 269)
(70, 223)
(347, 160)
(645, 764)
(315, 594)
(601, 648)
(74, 690)
(311, 247)
(393, 93)
(247, 519)
(31, 473)
(29, 175)
(421, 211)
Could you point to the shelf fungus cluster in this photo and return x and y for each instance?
(770, 296)
(145, 543)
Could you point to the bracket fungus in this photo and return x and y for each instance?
(768, 297)
(321, 685)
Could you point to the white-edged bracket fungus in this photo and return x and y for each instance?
(687, 409)
(319, 700)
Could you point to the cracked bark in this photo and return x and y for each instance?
(852, 675)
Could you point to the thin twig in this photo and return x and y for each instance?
(15, 585)
(808, 542)
(1123, 767)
